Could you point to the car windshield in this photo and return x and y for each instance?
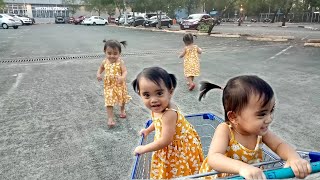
(195, 16)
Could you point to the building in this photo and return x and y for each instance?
(37, 8)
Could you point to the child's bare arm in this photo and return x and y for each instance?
(100, 70)
(219, 162)
(147, 131)
(199, 50)
(300, 167)
(169, 120)
(183, 53)
(123, 70)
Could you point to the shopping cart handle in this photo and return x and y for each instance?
(283, 173)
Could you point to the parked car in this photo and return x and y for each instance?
(71, 20)
(153, 21)
(120, 20)
(7, 21)
(193, 21)
(136, 21)
(60, 19)
(95, 20)
(79, 20)
(24, 20)
(265, 20)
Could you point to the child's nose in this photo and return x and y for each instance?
(269, 119)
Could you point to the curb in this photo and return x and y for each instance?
(312, 45)
(269, 38)
(313, 41)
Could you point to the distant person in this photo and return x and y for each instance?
(191, 60)
(177, 150)
(115, 88)
(249, 104)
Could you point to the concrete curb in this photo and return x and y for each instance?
(312, 45)
(217, 34)
(267, 39)
(309, 27)
(313, 41)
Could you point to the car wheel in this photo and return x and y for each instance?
(106, 23)
(15, 27)
(5, 26)
(94, 23)
(22, 22)
(169, 25)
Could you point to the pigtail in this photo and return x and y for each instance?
(124, 43)
(135, 86)
(206, 87)
(173, 80)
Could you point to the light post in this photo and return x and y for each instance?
(240, 14)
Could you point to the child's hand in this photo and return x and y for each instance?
(251, 172)
(120, 79)
(139, 150)
(300, 167)
(99, 77)
(145, 132)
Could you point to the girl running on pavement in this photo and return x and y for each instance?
(249, 104)
(191, 60)
(176, 146)
(115, 88)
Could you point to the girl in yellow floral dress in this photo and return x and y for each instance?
(248, 103)
(191, 60)
(115, 88)
(176, 148)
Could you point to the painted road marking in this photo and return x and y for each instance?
(279, 53)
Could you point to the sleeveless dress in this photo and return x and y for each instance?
(182, 157)
(114, 92)
(191, 62)
(237, 151)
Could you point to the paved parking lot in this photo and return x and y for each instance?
(52, 116)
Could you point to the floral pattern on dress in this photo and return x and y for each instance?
(182, 157)
(114, 93)
(237, 151)
(191, 62)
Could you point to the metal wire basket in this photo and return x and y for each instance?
(205, 124)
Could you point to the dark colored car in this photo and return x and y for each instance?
(153, 21)
(265, 20)
(137, 21)
(60, 19)
(78, 20)
(193, 21)
(71, 20)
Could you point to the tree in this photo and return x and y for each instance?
(97, 5)
(2, 5)
(73, 5)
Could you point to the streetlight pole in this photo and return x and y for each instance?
(240, 14)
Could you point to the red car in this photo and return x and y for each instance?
(79, 20)
(192, 22)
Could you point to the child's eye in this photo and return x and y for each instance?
(262, 114)
(160, 93)
(146, 95)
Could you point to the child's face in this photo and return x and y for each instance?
(113, 54)
(254, 119)
(156, 98)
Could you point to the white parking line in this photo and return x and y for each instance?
(279, 53)
(304, 37)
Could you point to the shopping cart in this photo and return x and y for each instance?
(205, 124)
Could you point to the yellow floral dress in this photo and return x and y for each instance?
(237, 151)
(114, 93)
(182, 157)
(191, 62)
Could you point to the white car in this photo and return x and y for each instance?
(7, 21)
(24, 20)
(95, 20)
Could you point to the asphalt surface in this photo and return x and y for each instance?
(52, 117)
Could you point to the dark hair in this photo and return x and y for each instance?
(155, 74)
(114, 44)
(188, 38)
(238, 90)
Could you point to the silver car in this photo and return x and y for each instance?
(7, 21)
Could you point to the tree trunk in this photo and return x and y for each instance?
(274, 16)
(213, 23)
(286, 13)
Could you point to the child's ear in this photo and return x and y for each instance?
(232, 116)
